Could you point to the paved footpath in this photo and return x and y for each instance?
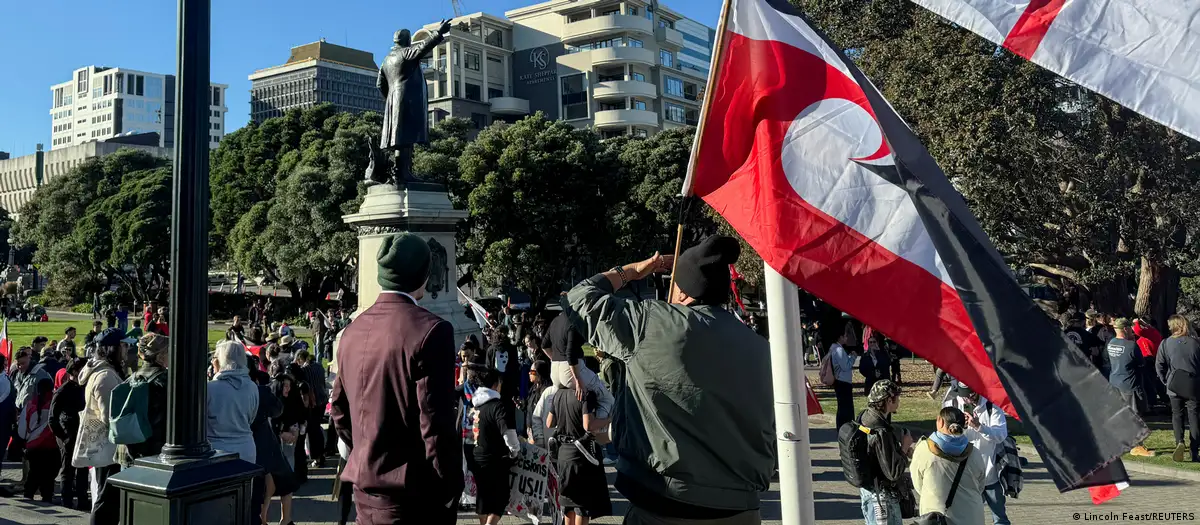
(836, 502)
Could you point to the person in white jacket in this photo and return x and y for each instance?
(93, 448)
(987, 428)
(935, 471)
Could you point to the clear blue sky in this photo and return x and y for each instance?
(43, 41)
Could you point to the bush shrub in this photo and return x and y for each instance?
(82, 308)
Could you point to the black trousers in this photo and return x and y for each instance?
(42, 464)
(845, 402)
(106, 506)
(316, 435)
(1179, 409)
(74, 480)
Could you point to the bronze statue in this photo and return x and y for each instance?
(405, 114)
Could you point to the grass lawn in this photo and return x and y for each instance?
(22, 334)
(918, 413)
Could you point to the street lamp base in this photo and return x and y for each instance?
(215, 489)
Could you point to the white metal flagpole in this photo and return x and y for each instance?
(791, 410)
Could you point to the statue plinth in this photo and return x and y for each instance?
(424, 209)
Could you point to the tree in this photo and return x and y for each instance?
(1062, 180)
(106, 221)
(283, 188)
(535, 191)
(438, 161)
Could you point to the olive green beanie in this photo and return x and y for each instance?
(404, 261)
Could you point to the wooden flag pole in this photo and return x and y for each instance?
(686, 191)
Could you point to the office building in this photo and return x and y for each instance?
(316, 73)
(21, 176)
(100, 103)
(624, 67)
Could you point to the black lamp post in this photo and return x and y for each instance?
(189, 483)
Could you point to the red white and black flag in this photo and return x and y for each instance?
(801, 154)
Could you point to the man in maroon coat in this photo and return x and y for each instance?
(394, 401)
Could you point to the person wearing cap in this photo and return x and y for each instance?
(1126, 362)
(1085, 339)
(153, 350)
(694, 422)
(889, 451)
(93, 448)
(987, 429)
(393, 402)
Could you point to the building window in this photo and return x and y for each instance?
(666, 58)
(674, 113)
(579, 17)
(474, 92)
(455, 53)
(640, 133)
(216, 96)
(638, 104)
(495, 92)
(633, 11)
(674, 87)
(493, 36)
(574, 97)
(81, 82)
(471, 61)
(662, 22)
(496, 64)
(441, 88)
(638, 77)
(108, 84)
(141, 86)
(633, 42)
(479, 120)
(615, 10)
(691, 91)
(611, 107)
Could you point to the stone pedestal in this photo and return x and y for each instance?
(423, 209)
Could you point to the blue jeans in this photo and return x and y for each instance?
(879, 509)
(993, 495)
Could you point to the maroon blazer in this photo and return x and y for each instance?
(394, 404)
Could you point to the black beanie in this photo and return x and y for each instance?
(404, 261)
(702, 271)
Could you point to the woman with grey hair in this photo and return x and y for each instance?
(232, 402)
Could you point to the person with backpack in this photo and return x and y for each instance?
(65, 406)
(94, 448)
(1177, 365)
(987, 429)
(875, 455)
(839, 363)
(947, 472)
(147, 402)
(41, 450)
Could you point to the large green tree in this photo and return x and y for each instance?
(438, 160)
(279, 193)
(106, 221)
(536, 191)
(1062, 180)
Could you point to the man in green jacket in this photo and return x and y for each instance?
(693, 422)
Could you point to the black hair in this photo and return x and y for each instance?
(45, 386)
(303, 355)
(75, 365)
(954, 419)
(480, 375)
(40, 339)
(69, 330)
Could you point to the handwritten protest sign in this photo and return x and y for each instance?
(533, 487)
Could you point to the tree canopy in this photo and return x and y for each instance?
(107, 221)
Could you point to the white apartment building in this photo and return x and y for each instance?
(624, 67)
(100, 103)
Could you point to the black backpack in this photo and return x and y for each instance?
(856, 459)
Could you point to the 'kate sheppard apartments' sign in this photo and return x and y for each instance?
(535, 71)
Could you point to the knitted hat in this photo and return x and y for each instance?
(404, 261)
(702, 271)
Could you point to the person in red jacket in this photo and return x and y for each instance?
(1148, 340)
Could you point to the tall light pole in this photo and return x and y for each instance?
(189, 483)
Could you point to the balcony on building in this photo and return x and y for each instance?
(509, 106)
(607, 25)
(625, 117)
(621, 55)
(612, 86)
(669, 37)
